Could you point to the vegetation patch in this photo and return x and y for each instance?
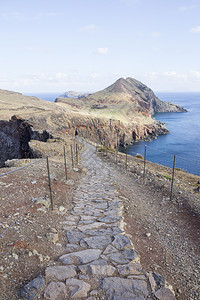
(139, 156)
(167, 177)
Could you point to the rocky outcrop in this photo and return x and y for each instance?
(75, 95)
(113, 133)
(14, 139)
(140, 97)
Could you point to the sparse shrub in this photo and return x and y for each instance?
(139, 156)
(167, 177)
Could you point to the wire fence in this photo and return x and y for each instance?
(37, 182)
(172, 175)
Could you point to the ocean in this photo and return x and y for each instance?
(45, 96)
(183, 139)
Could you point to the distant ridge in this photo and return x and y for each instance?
(135, 93)
(75, 95)
(139, 98)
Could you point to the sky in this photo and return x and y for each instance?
(86, 45)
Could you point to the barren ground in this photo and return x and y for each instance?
(165, 233)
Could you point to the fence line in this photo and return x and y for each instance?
(145, 162)
(49, 182)
(190, 160)
(35, 162)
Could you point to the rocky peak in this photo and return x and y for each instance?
(136, 94)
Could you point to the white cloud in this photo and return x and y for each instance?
(94, 75)
(155, 34)
(188, 81)
(46, 14)
(195, 74)
(157, 49)
(102, 51)
(129, 2)
(195, 29)
(175, 75)
(13, 15)
(61, 75)
(90, 27)
(183, 8)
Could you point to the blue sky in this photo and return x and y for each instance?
(85, 45)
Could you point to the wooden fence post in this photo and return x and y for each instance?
(173, 177)
(65, 163)
(49, 178)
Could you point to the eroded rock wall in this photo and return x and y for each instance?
(15, 135)
(113, 133)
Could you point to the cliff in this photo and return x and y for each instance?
(130, 91)
(120, 114)
(74, 95)
(15, 136)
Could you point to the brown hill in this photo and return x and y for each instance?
(138, 95)
(119, 114)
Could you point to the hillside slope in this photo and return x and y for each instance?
(125, 92)
(119, 114)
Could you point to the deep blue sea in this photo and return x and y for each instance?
(45, 96)
(183, 139)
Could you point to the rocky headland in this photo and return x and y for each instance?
(118, 115)
(121, 113)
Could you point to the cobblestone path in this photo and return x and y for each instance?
(100, 261)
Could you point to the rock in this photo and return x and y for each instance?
(15, 256)
(91, 226)
(148, 234)
(33, 289)
(44, 202)
(70, 182)
(74, 236)
(130, 269)
(60, 273)
(104, 231)
(98, 242)
(71, 247)
(159, 279)
(81, 288)
(98, 267)
(110, 219)
(152, 282)
(109, 249)
(61, 208)
(55, 290)
(164, 294)
(124, 257)
(122, 242)
(52, 237)
(121, 288)
(84, 256)
(105, 270)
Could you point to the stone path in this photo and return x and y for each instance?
(100, 261)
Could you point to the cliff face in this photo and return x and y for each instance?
(14, 139)
(119, 114)
(113, 133)
(122, 112)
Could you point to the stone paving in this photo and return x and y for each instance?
(100, 261)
